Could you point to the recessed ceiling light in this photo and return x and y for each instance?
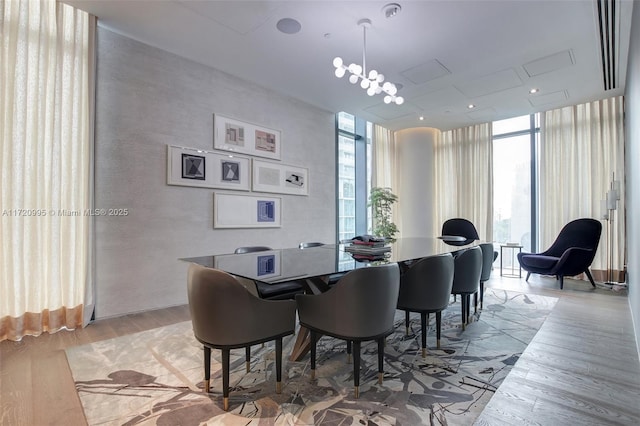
(471, 106)
(390, 10)
(288, 26)
(534, 90)
(421, 118)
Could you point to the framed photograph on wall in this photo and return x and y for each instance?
(193, 166)
(245, 138)
(246, 211)
(207, 169)
(279, 178)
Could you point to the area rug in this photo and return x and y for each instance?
(155, 377)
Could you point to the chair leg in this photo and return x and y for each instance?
(406, 322)
(225, 378)
(561, 279)
(423, 325)
(314, 340)
(279, 365)
(247, 357)
(586, 271)
(380, 360)
(528, 275)
(481, 294)
(438, 328)
(207, 368)
(475, 303)
(348, 351)
(356, 367)
(463, 311)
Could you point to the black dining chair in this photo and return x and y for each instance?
(466, 278)
(225, 316)
(426, 288)
(462, 228)
(277, 291)
(360, 307)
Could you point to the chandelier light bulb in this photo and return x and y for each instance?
(372, 81)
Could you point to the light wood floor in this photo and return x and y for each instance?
(581, 368)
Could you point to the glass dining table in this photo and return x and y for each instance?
(313, 266)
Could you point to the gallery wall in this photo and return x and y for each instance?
(147, 99)
(632, 158)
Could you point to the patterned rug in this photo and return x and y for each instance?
(155, 377)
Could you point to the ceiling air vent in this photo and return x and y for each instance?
(608, 21)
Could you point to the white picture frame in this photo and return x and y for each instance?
(207, 169)
(279, 178)
(242, 137)
(246, 211)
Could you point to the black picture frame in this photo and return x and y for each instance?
(193, 167)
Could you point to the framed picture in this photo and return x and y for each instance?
(193, 167)
(245, 138)
(279, 178)
(207, 169)
(246, 211)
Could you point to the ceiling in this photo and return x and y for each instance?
(445, 54)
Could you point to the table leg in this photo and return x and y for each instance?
(302, 345)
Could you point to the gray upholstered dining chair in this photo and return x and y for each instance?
(488, 257)
(278, 291)
(225, 315)
(426, 288)
(360, 307)
(466, 278)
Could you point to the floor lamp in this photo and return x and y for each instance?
(609, 207)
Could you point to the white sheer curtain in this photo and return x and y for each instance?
(384, 167)
(463, 177)
(580, 148)
(45, 165)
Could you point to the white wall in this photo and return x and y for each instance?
(632, 159)
(147, 98)
(414, 151)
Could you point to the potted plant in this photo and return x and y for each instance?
(381, 200)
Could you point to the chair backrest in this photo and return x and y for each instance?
(219, 305)
(251, 249)
(487, 261)
(427, 284)
(310, 245)
(224, 313)
(582, 233)
(460, 227)
(365, 301)
(467, 269)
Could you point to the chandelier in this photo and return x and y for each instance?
(373, 82)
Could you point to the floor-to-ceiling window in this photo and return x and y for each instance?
(354, 175)
(514, 181)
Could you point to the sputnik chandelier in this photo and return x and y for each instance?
(373, 82)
